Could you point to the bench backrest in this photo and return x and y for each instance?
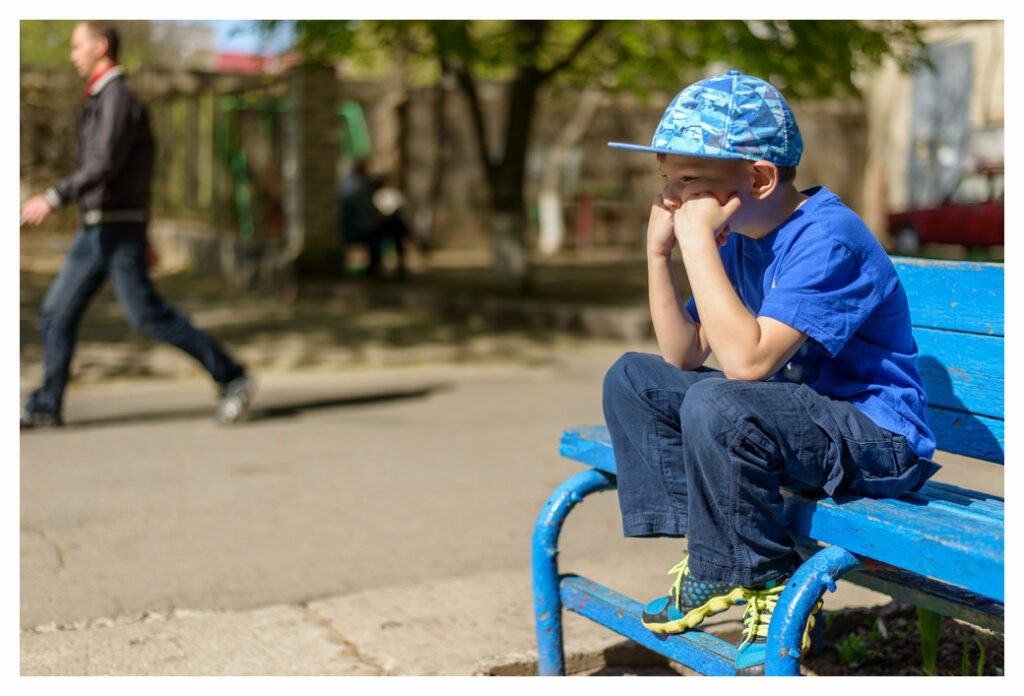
(957, 313)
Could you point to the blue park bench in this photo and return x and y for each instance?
(940, 548)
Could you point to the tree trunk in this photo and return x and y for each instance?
(506, 176)
(425, 216)
(549, 198)
(508, 249)
(508, 206)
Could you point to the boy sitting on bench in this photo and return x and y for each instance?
(810, 325)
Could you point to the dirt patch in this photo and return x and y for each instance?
(877, 641)
(886, 641)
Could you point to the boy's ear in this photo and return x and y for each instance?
(764, 179)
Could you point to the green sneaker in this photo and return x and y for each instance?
(689, 601)
(757, 617)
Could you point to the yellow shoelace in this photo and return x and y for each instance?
(757, 615)
(681, 569)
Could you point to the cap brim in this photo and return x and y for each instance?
(639, 148)
(665, 151)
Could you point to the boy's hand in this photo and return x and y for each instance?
(704, 216)
(661, 237)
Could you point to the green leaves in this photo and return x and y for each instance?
(48, 42)
(805, 58)
(965, 659)
(930, 625)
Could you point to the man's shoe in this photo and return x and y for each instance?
(689, 601)
(235, 399)
(40, 419)
(757, 617)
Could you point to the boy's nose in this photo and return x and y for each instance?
(670, 196)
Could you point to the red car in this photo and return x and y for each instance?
(972, 216)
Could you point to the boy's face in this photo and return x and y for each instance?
(686, 177)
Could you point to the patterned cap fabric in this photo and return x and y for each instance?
(730, 116)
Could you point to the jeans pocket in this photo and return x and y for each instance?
(880, 468)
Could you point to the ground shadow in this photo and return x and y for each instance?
(289, 409)
(448, 305)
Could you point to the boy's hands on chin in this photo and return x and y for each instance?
(703, 217)
(661, 236)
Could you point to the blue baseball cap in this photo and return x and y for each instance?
(730, 116)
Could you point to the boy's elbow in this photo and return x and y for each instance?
(747, 372)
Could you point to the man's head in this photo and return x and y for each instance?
(94, 45)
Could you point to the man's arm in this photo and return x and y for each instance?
(746, 347)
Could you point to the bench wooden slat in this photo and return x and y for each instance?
(980, 437)
(954, 295)
(980, 503)
(962, 371)
(956, 549)
(696, 649)
(937, 499)
(945, 600)
(591, 445)
(975, 510)
(949, 489)
(923, 592)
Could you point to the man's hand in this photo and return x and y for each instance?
(36, 210)
(660, 228)
(704, 216)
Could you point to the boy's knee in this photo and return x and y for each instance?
(702, 407)
(627, 375)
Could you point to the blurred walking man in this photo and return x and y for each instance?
(111, 185)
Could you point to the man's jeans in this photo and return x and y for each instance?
(703, 456)
(117, 250)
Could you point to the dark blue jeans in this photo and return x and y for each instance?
(117, 250)
(702, 456)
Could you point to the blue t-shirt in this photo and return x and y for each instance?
(823, 273)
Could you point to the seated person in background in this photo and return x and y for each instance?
(370, 214)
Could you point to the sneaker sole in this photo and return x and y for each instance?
(695, 616)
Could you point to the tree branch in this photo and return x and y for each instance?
(595, 28)
(465, 79)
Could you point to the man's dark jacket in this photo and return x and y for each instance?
(115, 156)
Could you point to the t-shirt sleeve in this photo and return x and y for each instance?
(821, 289)
(691, 307)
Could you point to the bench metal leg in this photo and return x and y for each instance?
(547, 601)
(805, 588)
